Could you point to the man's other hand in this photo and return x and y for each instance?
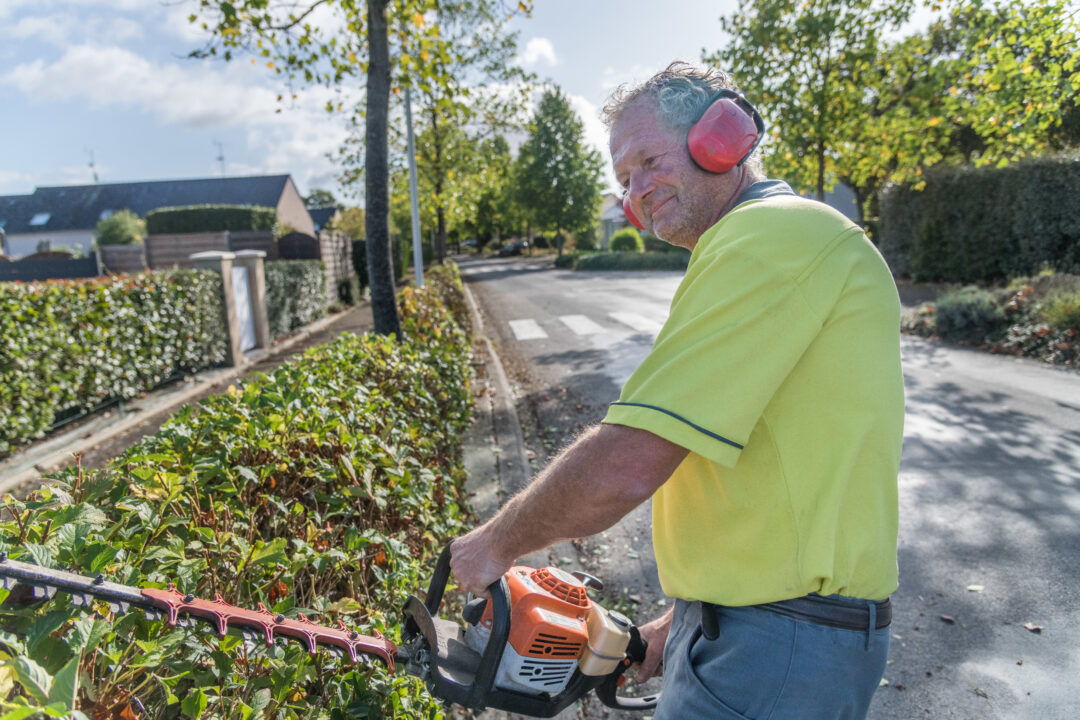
(654, 633)
(476, 562)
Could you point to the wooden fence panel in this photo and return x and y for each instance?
(122, 259)
(255, 240)
(54, 269)
(166, 251)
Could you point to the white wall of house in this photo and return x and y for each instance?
(78, 241)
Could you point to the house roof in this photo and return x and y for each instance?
(80, 207)
(321, 216)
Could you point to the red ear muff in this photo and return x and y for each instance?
(630, 213)
(725, 134)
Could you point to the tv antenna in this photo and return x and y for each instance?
(93, 170)
(220, 156)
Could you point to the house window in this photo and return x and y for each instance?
(40, 219)
(105, 214)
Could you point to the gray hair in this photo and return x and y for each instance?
(680, 94)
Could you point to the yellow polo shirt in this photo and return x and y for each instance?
(779, 370)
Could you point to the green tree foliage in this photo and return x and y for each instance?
(120, 228)
(452, 69)
(983, 84)
(805, 63)
(320, 199)
(351, 221)
(557, 177)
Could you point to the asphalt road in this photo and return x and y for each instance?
(989, 490)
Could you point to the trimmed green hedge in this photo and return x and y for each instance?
(209, 218)
(323, 489)
(628, 261)
(295, 294)
(73, 344)
(984, 224)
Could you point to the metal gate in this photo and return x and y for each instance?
(244, 315)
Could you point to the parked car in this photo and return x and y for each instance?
(514, 247)
(470, 244)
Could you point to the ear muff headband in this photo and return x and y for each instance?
(726, 133)
(722, 138)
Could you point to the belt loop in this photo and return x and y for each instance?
(710, 626)
(873, 622)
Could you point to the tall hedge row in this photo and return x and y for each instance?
(295, 294)
(323, 489)
(984, 224)
(209, 218)
(70, 344)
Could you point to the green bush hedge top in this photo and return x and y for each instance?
(71, 344)
(209, 218)
(984, 224)
(295, 294)
(322, 489)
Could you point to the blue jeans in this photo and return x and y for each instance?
(764, 665)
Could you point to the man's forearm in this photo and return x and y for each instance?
(591, 485)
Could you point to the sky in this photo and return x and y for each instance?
(109, 83)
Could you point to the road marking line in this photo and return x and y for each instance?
(581, 325)
(527, 329)
(638, 322)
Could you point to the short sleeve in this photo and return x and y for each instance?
(737, 327)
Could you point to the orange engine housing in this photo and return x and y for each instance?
(548, 612)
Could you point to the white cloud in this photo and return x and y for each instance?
(191, 96)
(538, 49)
(197, 95)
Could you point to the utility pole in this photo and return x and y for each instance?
(220, 156)
(414, 201)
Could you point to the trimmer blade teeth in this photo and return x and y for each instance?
(44, 592)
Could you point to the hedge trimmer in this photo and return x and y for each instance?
(539, 645)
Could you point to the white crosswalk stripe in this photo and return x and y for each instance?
(527, 329)
(581, 325)
(638, 322)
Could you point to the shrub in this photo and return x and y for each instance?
(72, 345)
(633, 261)
(1061, 310)
(586, 240)
(349, 292)
(959, 228)
(359, 258)
(321, 489)
(626, 240)
(541, 242)
(968, 315)
(568, 259)
(655, 244)
(120, 228)
(209, 218)
(295, 294)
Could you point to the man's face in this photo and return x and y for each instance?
(672, 197)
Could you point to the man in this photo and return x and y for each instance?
(765, 423)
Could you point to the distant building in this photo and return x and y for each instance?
(65, 216)
(612, 218)
(323, 216)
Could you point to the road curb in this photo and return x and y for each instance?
(512, 463)
(24, 468)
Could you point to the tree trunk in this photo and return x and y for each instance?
(377, 175)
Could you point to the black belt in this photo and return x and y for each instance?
(812, 608)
